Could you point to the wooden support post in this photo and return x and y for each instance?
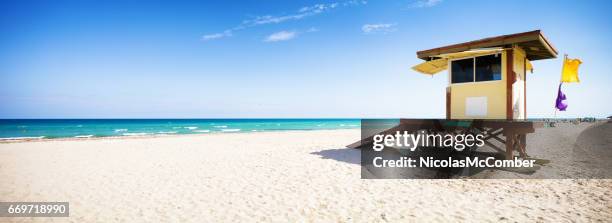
(523, 145)
(510, 78)
(525, 88)
(509, 143)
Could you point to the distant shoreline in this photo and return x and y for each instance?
(49, 129)
(149, 136)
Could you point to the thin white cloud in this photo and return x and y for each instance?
(425, 3)
(378, 28)
(303, 12)
(281, 36)
(288, 35)
(214, 36)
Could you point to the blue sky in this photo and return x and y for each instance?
(276, 59)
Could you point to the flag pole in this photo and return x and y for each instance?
(560, 82)
(563, 67)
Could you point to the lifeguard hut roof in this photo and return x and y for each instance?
(534, 43)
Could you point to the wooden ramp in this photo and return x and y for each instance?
(511, 134)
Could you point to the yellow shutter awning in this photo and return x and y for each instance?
(431, 67)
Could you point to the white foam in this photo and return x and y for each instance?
(120, 130)
(204, 130)
(135, 134)
(169, 132)
(230, 130)
(23, 138)
(220, 126)
(191, 127)
(84, 136)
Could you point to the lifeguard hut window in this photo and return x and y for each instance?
(462, 70)
(476, 69)
(488, 68)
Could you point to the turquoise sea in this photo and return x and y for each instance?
(86, 128)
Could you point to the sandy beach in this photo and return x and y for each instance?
(306, 176)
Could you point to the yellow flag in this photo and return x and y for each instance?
(570, 70)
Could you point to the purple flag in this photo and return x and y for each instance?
(560, 98)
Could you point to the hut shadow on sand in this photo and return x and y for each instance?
(346, 155)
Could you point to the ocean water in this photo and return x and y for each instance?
(86, 128)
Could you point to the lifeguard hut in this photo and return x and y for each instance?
(487, 77)
(486, 92)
